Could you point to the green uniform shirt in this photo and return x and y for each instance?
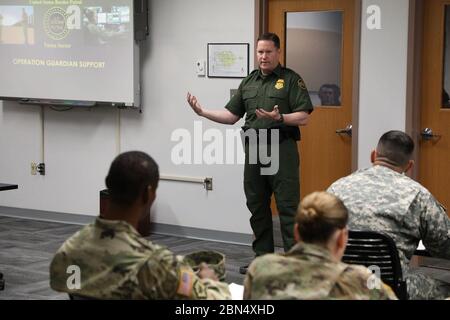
(283, 87)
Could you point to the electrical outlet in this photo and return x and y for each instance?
(33, 168)
(41, 168)
(208, 184)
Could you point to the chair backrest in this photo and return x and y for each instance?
(370, 248)
(78, 297)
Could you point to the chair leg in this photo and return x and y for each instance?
(402, 292)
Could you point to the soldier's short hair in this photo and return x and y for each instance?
(319, 215)
(396, 146)
(130, 175)
(270, 37)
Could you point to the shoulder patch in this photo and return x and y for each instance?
(301, 84)
(199, 290)
(185, 282)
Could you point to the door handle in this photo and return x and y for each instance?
(428, 134)
(347, 130)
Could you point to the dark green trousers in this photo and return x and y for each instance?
(258, 190)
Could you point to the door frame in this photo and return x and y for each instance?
(261, 26)
(413, 78)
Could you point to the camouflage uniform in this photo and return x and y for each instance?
(381, 199)
(309, 272)
(117, 263)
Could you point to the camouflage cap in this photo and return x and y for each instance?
(215, 260)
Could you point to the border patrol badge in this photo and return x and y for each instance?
(280, 84)
(301, 84)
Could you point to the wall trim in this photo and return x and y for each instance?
(157, 228)
(356, 82)
(202, 234)
(261, 23)
(51, 216)
(414, 72)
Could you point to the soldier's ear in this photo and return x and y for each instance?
(151, 193)
(344, 237)
(148, 195)
(409, 166)
(341, 243)
(373, 156)
(296, 233)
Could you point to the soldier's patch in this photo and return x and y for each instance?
(108, 233)
(301, 84)
(185, 282)
(280, 84)
(199, 290)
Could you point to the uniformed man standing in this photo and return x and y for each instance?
(271, 97)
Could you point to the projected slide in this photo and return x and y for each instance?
(67, 49)
(16, 25)
(103, 27)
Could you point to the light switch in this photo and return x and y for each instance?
(201, 68)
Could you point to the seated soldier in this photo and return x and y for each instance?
(114, 261)
(381, 198)
(312, 269)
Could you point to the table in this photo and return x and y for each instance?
(4, 187)
(435, 268)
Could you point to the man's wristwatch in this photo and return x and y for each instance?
(281, 120)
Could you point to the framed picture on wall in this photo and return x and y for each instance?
(228, 60)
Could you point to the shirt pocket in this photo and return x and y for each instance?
(250, 99)
(280, 98)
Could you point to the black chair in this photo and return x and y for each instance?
(370, 248)
(2, 282)
(78, 297)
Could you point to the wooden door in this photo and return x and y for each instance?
(434, 152)
(325, 155)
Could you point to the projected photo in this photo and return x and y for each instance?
(105, 25)
(17, 25)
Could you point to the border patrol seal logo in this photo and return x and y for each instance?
(280, 84)
(55, 23)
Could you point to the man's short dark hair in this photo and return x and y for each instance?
(130, 175)
(396, 146)
(270, 37)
